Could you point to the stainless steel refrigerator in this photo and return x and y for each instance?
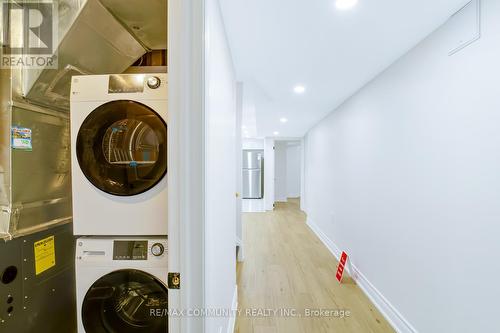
(253, 174)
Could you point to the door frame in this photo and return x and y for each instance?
(186, 202)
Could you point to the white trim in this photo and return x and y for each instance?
(330, 245)
(239, 166)
(186, 159)
(232, 321)
(303, 175)
(477, 36)
(241, 251)
(393, 316)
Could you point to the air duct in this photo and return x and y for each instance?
(91, 41)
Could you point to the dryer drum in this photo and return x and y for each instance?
(122, 148)
(128, 301)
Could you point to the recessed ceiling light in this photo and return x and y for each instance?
(299, 89)
(276, 133)
(345, 4)
(283, 120)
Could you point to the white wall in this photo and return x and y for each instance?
(239, 166)
(269, 173)
(280, 174)
(220, 172)
(253, 143)
(405, 176)
(186, 137)
(287, 168)
(303, 195)
(293, 163)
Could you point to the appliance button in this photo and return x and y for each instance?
(157, 249)
(153, 82)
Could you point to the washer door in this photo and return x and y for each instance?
(122, 148)
(126, 301)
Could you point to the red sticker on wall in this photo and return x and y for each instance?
(341, 267)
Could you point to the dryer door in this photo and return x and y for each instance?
(126, 301)
(122, 148)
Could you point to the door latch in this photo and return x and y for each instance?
(174, 281)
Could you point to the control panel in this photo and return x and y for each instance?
(130, 250)
(136, 249)
(132, 83)
(150, 86)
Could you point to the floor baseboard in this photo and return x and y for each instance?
(234, 306)
(393, 316)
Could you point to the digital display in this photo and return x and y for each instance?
(130, 250)
(126, 83)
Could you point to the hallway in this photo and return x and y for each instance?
(287, 267)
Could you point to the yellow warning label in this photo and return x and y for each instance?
(45, 254)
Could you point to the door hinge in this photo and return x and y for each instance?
(174, 281)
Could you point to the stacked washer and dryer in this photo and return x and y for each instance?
(119, 167)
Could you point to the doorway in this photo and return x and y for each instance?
(287, 170)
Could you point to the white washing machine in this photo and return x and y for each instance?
(119, 154)
(121, 285)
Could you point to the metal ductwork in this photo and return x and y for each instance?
(96, 38)
(146, 19)
(35, 178)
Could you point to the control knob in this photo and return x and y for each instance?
(157, 249)
(153, 82)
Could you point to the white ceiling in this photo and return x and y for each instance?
(277, 44)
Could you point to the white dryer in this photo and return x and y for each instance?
(121, 285)
(119, 154)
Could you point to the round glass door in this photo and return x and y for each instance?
(122, 148)
(126, 301)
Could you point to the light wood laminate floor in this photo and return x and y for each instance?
(287, 267)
